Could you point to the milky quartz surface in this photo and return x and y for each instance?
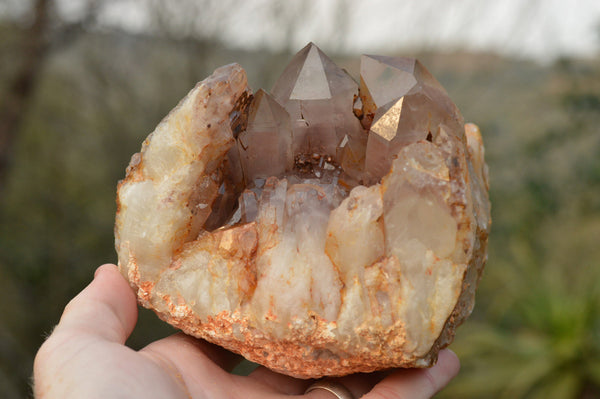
(328, 228)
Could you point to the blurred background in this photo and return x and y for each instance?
(82, 82)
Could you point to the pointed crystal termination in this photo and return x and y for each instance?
(384, 79)
(315, 272)
(402, 104)
(401, 122)
(319, 97)
(265, 147)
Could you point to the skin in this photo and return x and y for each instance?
(85, 357)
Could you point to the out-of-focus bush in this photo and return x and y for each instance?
(95, 102)
(534, 332)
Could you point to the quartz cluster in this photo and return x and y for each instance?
(325, 228)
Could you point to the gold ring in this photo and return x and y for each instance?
(340, 391)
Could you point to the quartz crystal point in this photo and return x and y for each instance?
(319, 95)
(384, 79)
(265, 147)
(403, 103)
(324, 230)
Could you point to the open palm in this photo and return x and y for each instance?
(85, 357)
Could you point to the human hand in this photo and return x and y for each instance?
(85, 357)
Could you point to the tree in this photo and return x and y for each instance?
(46, 33)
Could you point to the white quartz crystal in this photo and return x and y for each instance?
(328, 229)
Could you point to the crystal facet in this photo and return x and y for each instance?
(265, 147)
(403, 103)
(323, 230)
(384, 79)
(319, 97)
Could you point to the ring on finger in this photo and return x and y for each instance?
(337, 389)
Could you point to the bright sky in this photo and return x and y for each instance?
(539, 29)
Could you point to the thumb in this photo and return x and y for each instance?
(106, 308)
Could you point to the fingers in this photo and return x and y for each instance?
(358, 384)
(418, 383)
(405, 383)
(106, 308)
(279, 383)
(194, 350)
(200, 366)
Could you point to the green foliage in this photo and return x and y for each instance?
(535, 330)
(545, 344)
(95, 103)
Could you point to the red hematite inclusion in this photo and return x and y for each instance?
(324, 229)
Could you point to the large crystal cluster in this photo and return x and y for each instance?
(325, 228)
